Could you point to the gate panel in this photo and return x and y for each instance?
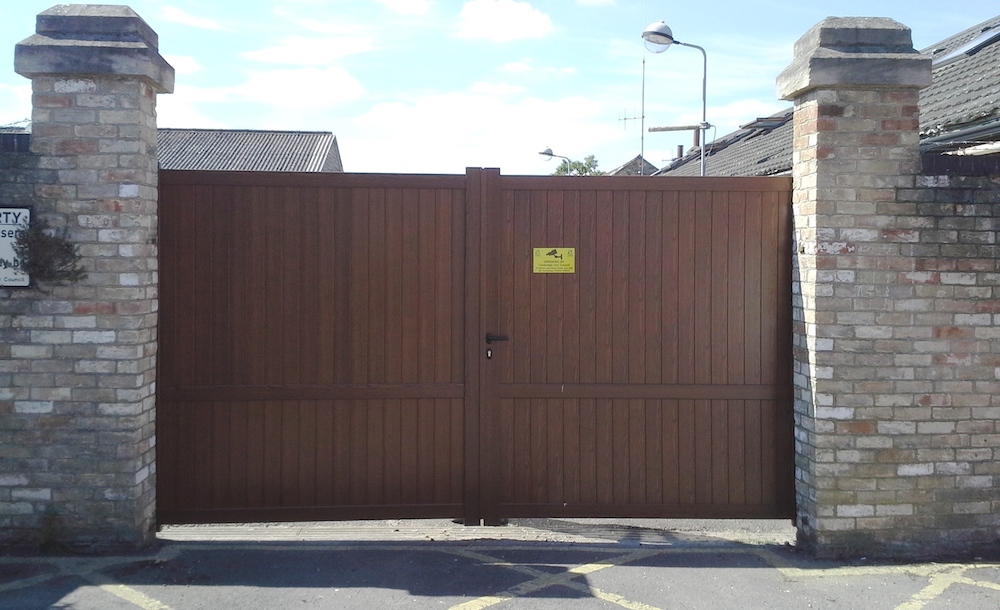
(322, 347)
(312, 357)
(655, 379)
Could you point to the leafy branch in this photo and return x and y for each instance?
(46, 255)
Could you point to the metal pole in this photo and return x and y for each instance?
(642, 120)
(704, 98)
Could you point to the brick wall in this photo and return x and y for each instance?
(898, 373)
(897, 294)
(77, 417)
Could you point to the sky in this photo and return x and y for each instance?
(435, 86)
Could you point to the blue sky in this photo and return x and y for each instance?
(433, 86)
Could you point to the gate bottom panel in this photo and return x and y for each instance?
(648, 511)
(320, 459)
(311, 513)
(644, 457)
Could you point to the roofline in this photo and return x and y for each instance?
(204, 130)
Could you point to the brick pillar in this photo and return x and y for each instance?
(77, 420)
(896, 436)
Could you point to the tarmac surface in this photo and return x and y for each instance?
(640, 564)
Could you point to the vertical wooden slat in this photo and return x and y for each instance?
(308, 274)
(636, 451)
(602, 287)
(537, 322)
(325, 465)
(671, 452)
(306, 442)
(443, 340)
(219, 451)
(361, 451)
(703, 274)
(343, 481)
(755, 450)
(635, 258)
(603, 409)
(718, 284)
(671, 290)
(376, 453)
(377, 338)
(618, 282)
(392, 286)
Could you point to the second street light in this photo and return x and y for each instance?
(547, 154)
(658, 39)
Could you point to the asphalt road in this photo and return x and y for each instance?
(530, 564)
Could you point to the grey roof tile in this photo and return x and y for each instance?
(964, 93)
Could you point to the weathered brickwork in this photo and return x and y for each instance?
(896, 333)
(77, 363)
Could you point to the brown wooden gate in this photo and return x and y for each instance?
(323, 353)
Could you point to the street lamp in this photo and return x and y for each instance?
(658, 39)
(547, 154)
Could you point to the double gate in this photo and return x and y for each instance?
(324, 350)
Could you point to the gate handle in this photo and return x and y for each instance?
(490, 338)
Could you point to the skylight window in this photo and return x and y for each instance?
(970, 48)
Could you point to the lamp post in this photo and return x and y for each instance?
(547, 154)
(658, 39)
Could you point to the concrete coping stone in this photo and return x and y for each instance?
(854, 53)
(94, 40)
(95, 22)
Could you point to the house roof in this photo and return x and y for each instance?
(248, 150)
(961, 108)
(760, 148)
(638, 166)
(966, 89)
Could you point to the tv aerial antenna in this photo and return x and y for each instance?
(641, 118)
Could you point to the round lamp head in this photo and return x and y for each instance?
(657, 37)
(546, 154)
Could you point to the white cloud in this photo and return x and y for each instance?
(502, 20)
(447, 132)
(301, 88)
(407, 7)
(496, 89)
(300, 51)
(15, 103)
(285, 93)
(176, 15)
(182, 112)
(516, 67)
(183, 64)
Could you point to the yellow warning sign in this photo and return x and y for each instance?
(554, 260)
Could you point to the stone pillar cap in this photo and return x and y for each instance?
(94, 39)
(854, 53)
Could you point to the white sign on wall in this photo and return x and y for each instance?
(12, 222)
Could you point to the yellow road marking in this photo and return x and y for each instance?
(129, 594)
(26, 582)
(940, 583)
(940, 576)
(544, 580)
(981, 583)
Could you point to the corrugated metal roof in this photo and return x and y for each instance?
(248, 150)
